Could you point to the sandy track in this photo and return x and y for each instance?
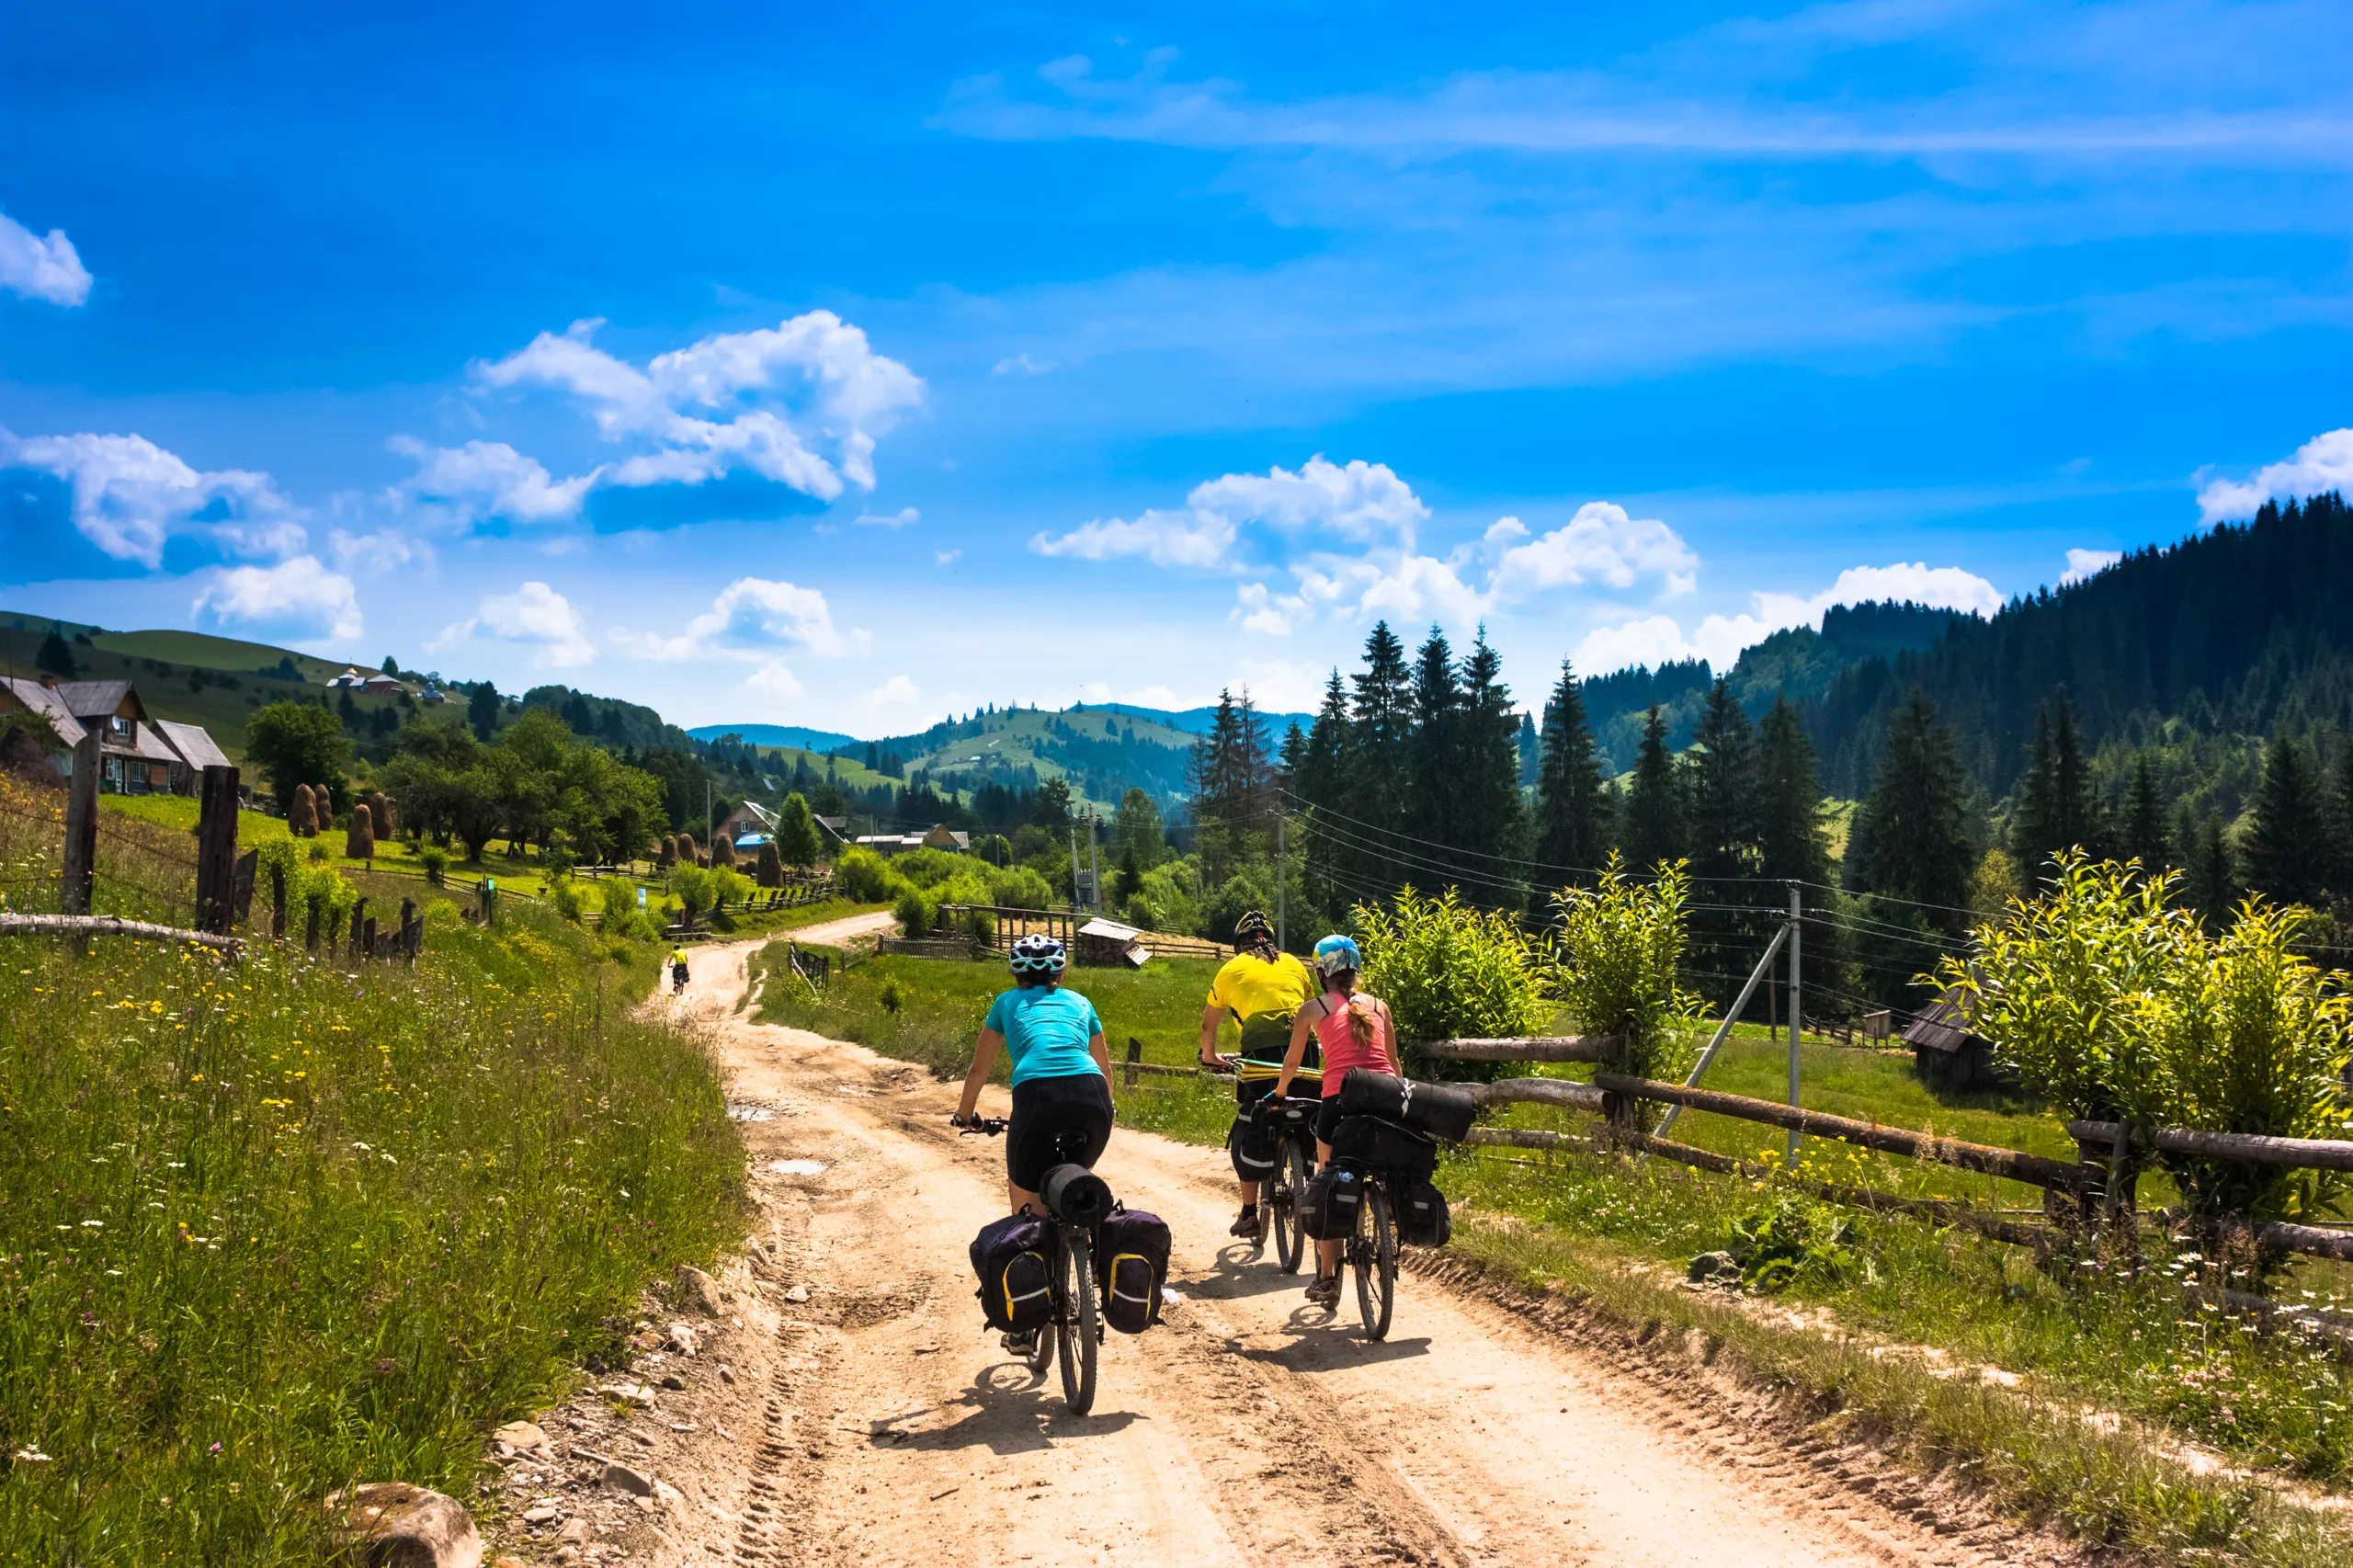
(877, 1423)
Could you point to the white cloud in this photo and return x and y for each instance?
(534, 615)
(41, 268)
(1600, 544)
(385, 549)
(2082, 563)
(483, 480)
(898, 519)
(752, 618)
(946, 557)
(800, 404)
(773, 679)
(1362, 503)
(1718, 639)
(2321, 464)
(131, 497)
(297, 599)
(1021, 365)
(896, 692)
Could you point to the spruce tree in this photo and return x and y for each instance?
(1380, 722)
(2210, 881)
(1722, 822)
(1791, 840)
(2286, 847)
(1573, 809)
(2034, 811)
(1916, 849)
(1435, 753)
(2142, 834)
(2340, 827)
(1487, 794)
(55, 655)
(1323, 772)
(2057, 806)
(1654, 821)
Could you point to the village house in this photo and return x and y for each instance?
(137, 756)
(940, 838)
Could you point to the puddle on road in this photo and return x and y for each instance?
(798, 1167)
(750, 1111)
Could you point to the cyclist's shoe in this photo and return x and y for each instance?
(1325, 1291)
(1021, 1344)
(1247, 1224)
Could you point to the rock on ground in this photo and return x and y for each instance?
(697, 1291)
(400, 1526)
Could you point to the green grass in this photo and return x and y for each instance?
(201, 649)
(267, 1229)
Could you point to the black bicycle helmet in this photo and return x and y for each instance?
(1252, 927)
(1038, 954)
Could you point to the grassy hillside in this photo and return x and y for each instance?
(1099, 754)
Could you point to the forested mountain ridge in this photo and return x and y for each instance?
(2244, 631)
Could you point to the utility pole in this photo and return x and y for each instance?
(706, 814)
(1076, 902)
(1797, 1012)
(1282, 864)
(1093, 863)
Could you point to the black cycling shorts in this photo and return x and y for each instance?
(1079, 1102)
(1328, 1118)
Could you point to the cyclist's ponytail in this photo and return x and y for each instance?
(1364, 1024)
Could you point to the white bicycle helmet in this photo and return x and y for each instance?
(1036, 954)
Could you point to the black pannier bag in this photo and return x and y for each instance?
(1253, 1148)
(1131, 1256)
(1443, 1110)
(1009, 1255)
(1385, 1145)
(1422, 1219)
(1335, 1194)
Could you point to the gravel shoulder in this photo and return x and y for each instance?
(867, 1417)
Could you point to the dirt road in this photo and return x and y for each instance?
(874, 1421)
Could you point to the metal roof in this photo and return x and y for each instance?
(46, 702)
(97, 698)
(1942, 1025)
(1110, 928)
(194, 744)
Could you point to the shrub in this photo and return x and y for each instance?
(302, 816)
(1449, 970)
(1621, 945)
(436, 861)
(1224, 909)
(863, 876)
(729, 886)
(1791, 1239)
(915, 910)
(2061, 987)
(691, 886)
(565, 898)
(1018, 887)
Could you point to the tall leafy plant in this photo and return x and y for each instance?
(1619, 945)
(1449, 970)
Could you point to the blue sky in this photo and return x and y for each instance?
(791, 365)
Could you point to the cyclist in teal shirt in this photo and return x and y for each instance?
(1060, 1069)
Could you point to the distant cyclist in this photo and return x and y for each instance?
(677, 971)
(1061, 1077)
(1260, 987)
(1355, 1030)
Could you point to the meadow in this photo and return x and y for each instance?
(269, 1228)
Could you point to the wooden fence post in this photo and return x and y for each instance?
(311, 928)
(370, 949)
(81, 829)
(351, 935)
(1135, 1054)
(241, 898)
(216, 852)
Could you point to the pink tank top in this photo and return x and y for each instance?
(1341, 1050)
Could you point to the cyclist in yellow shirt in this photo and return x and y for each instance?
(1260, 987)
(677, 970)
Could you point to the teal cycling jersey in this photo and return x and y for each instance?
(1045, 1032)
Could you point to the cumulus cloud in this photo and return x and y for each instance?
(533, 615)
(1946, 587)
(898, 519)
(2321, 464)
(800, 404)
(41, 268)
(297, 599)
(131, 497)
(772, 679)
(485, 479)
(1600, 544)
(2082, 563)
(1360, 502)
(896, 692)
(384, 550)
(946, 557)
(752, 619)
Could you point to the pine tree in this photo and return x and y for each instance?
(1573, 809)
(1233, 783)
(1435, 751)
(1653, 818)
(1487, 802)
(2144, 829)
(1380, 722)
(55, 655)
(2286, 854)
(1325, 769)
(2058, 808)
(2341, 825)
(1791, 842)
(1723, 794)
(2034, 811)
(2210, 883)
(1531, 752)
(1917, 847)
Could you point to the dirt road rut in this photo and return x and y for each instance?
(879, 1423)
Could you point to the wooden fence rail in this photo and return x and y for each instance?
(1542, 1048)
(2246, 1148)
(110, 925)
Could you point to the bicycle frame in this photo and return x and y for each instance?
(1077, 1333)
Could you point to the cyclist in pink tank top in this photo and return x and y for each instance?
(1355, 1030)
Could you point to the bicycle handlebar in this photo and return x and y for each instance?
(991, 1126)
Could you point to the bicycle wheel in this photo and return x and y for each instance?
(1375, 1257)
(1078, 1328)
(1286, 1196)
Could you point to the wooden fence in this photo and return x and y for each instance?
(2084, 1195)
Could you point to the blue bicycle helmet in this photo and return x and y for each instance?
(1335, 953)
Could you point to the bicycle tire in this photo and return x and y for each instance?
(1079, 1328)
(1287, 1196)
(1376, 1263)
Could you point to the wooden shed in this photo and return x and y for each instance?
(1109, 942)
(1944, 1049)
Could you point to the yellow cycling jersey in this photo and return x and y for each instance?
(1249, 986)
